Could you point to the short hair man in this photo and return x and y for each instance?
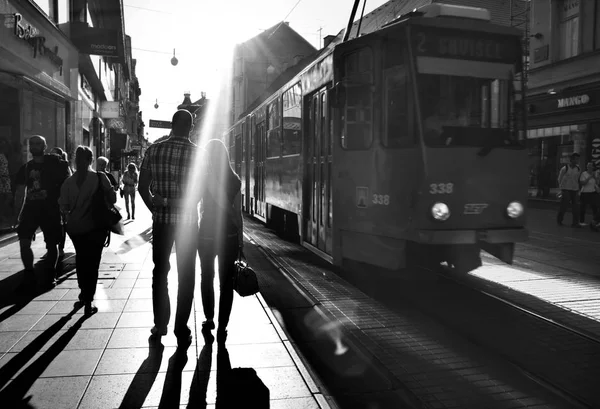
(38, 184)
(167, 169)
(101, 165)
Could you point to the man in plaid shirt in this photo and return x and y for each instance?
(165, 175)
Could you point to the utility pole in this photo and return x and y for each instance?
(320, 30)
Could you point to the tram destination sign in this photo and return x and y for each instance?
(160, 124)
(464, 45)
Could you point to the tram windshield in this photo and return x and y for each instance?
(472, 110)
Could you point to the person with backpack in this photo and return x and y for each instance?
(568, 182)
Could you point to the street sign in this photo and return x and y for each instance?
(160, 124)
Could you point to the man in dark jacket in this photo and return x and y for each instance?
(38, 185)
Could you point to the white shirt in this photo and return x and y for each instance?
(568, 178)
(590, 185)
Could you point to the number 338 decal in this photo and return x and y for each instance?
(441, 188)
(381, 199)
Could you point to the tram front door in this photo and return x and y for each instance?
(317, 198)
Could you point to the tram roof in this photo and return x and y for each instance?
(456, 23)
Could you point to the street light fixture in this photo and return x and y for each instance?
(174, 60)
(156, 104)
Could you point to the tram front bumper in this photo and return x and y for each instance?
(493, 236)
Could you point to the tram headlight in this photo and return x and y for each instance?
(440, 211)
(514, 210)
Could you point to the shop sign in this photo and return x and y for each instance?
(564, 103)
(31, 35)
(160, 124)
(573, 101)
(110, 109)
(95, 41)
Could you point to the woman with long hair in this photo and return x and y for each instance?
(76, 202)
(220, 234)
(130, 180)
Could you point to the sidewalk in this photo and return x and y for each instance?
(51, 356)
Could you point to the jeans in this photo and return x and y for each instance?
(588, 199)
(163, 237)
(568, 196)
(227, 251)
(88, 253)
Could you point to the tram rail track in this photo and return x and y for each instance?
(477, 284)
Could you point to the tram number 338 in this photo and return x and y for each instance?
(381, 199)
(441, 188)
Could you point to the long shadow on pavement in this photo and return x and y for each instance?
(199, 386)
(17, 298)
(144, 378)
(171, 395)
(15, 392)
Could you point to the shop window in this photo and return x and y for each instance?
(292, 121)
(568, 15)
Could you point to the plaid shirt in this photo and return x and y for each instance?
(172, 164)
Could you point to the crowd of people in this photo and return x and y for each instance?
(197, 218)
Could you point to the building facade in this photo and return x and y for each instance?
(563, 89)
(38, 79)
(65, 74)
(260, 60)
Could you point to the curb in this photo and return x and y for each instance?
(410, 400)
(8, 238)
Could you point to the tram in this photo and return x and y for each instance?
(401, 146)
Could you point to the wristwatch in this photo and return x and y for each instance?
(165, 202)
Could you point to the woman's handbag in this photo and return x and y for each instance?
(245, 282)
(106, 215)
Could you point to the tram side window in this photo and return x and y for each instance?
(292, 121)
(273, 131)
(399, 109)
(357, 132)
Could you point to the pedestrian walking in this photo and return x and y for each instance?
(36, 201)
(568, 182)
(76, 203)
(101, 166)
(167, 169)
(220, 235)
(588, 196)
(61, 246)
(130, 181)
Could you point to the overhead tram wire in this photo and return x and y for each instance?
(147, 9)
(288, 14)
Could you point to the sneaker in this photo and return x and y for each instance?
(208, 325)
(89, 309)
(184, 337)
(156, 332)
